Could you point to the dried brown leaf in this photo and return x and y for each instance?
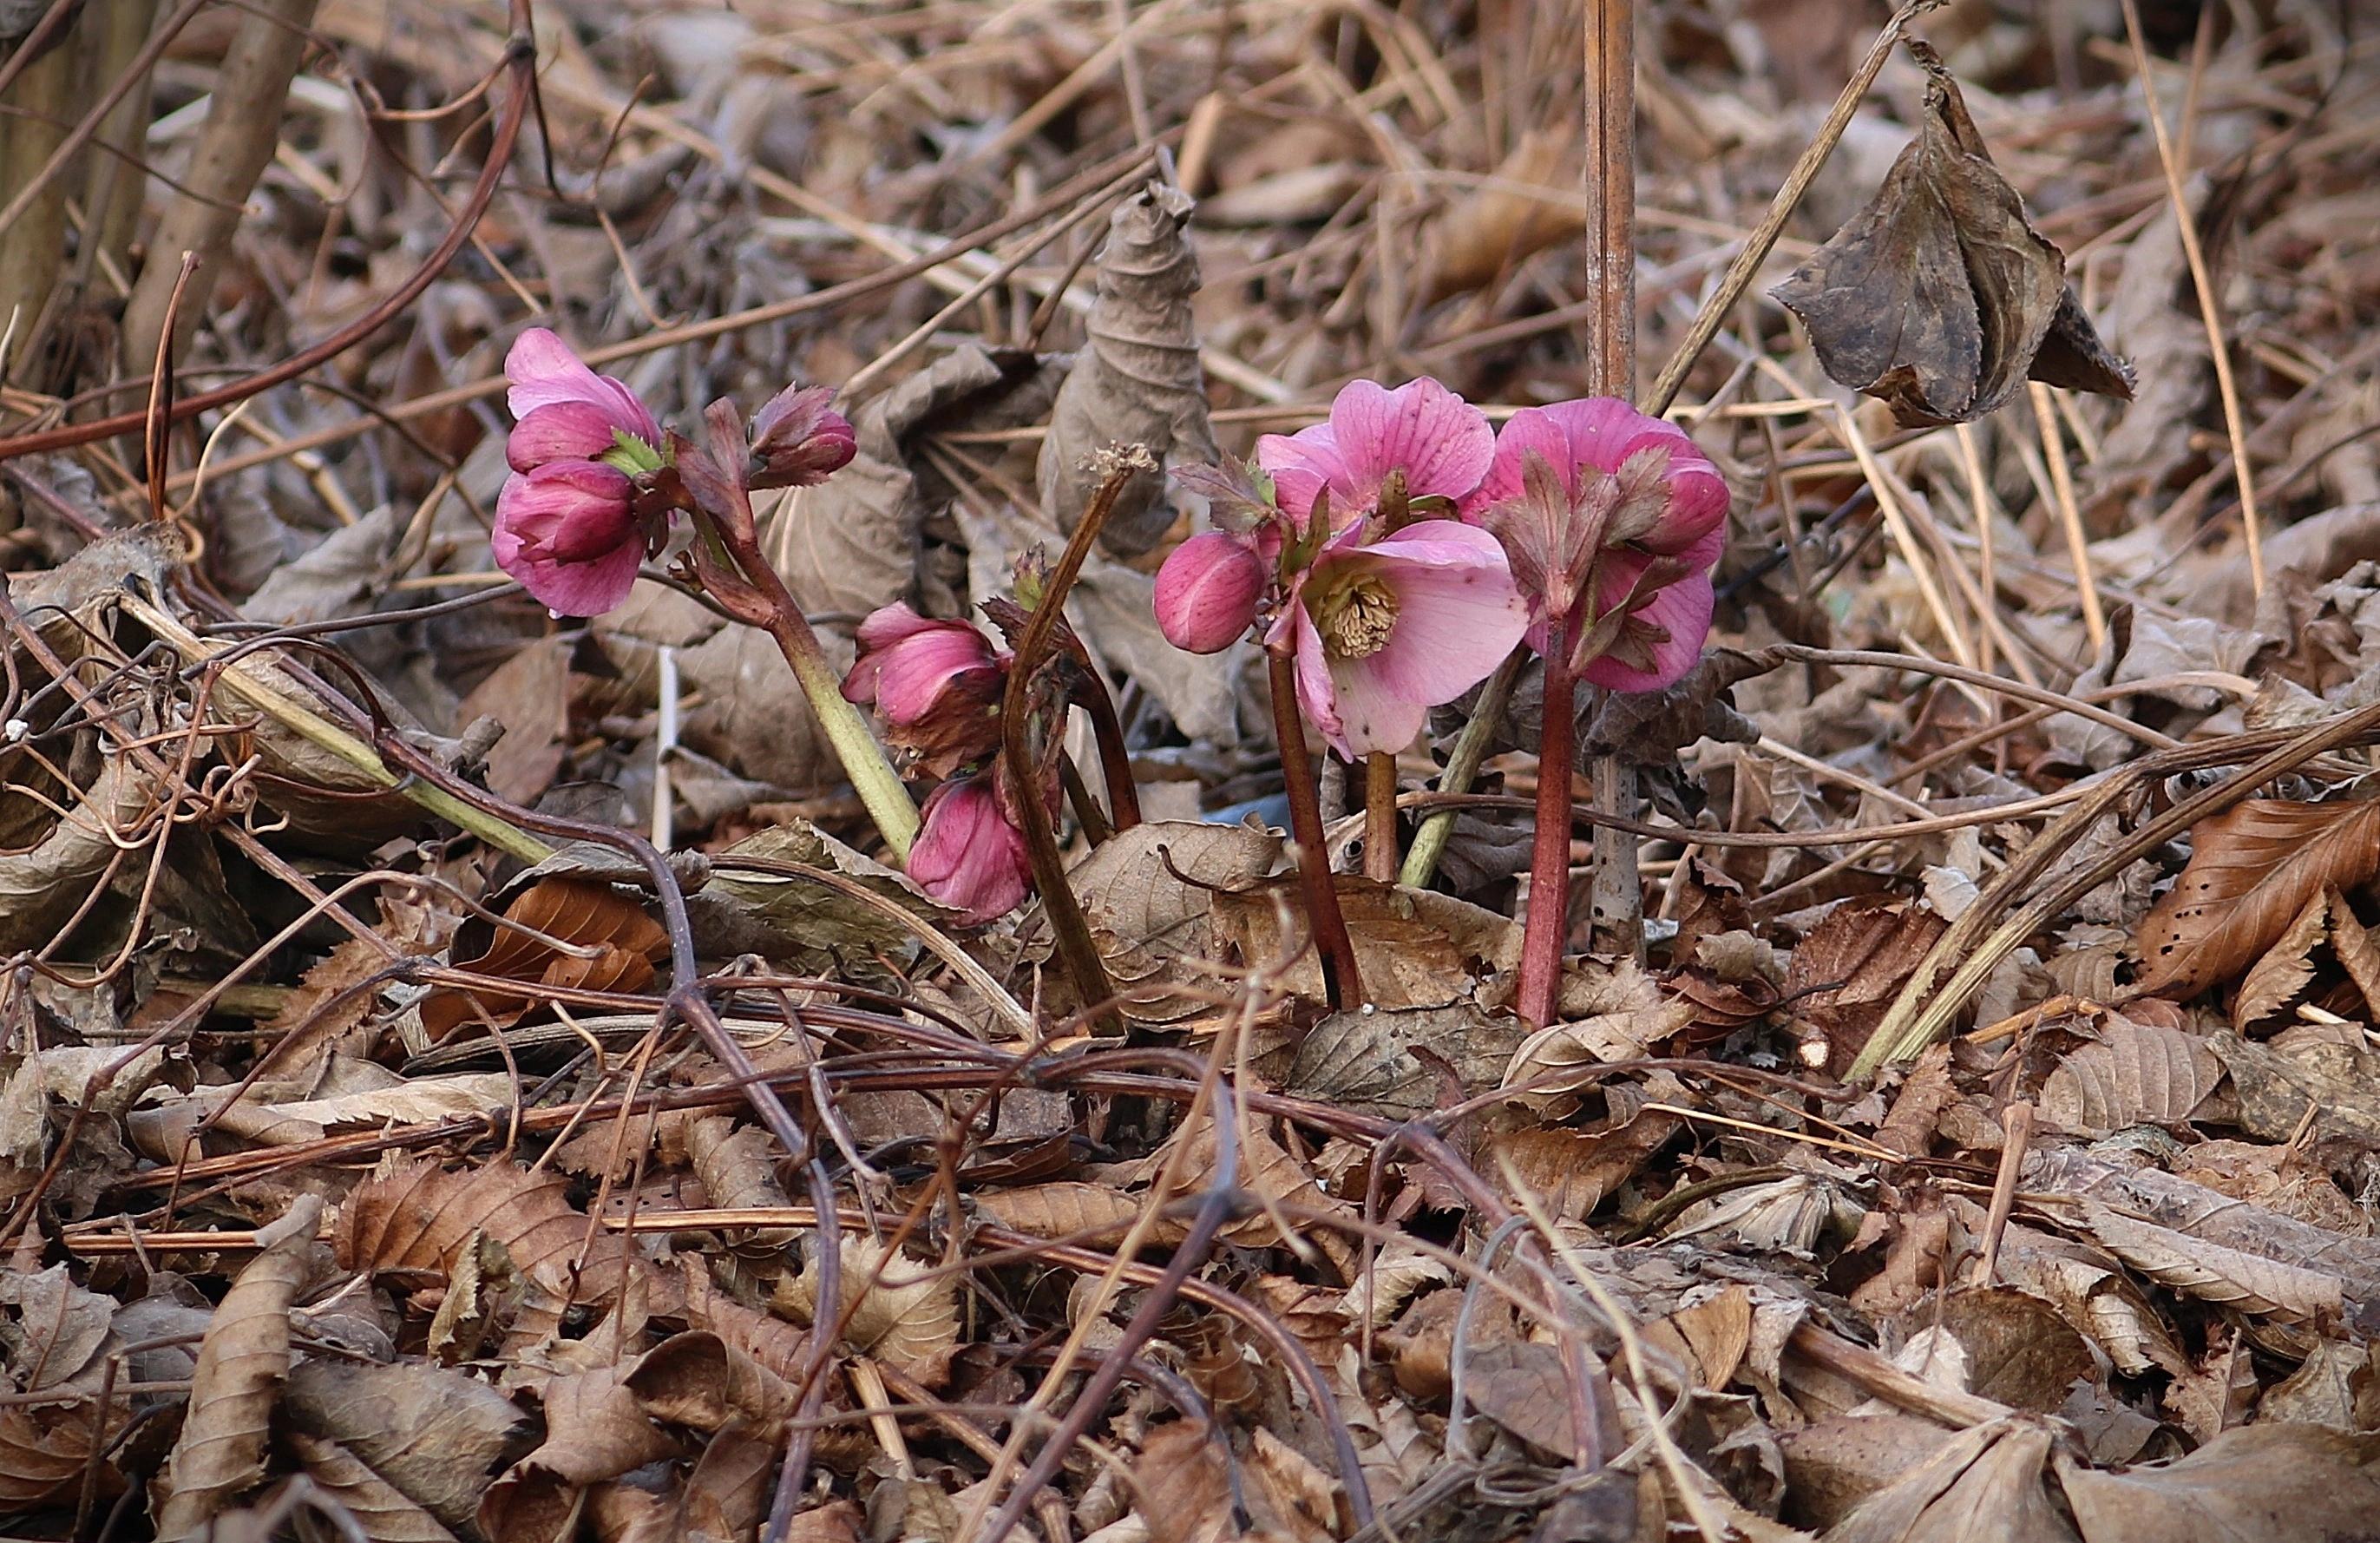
(2133, 1073)
(2281, 973)
(2252, 871)
(1490, 230)
(1182, 1485)
(437, 1436)
(1365, 1061)
(582, 911)
(1835, 1462)
(908, 1321)
(241, 1362)
(1139, 382)
(529, 695)
(1086, 1213)
(699, 1380)
(414, 1216)
(595, 1428)
(1414, 948)
(1938, 297)
(1847, 972)
(1983, 1486)
(385, 1513)
(2256, 1483)
(55, 1329)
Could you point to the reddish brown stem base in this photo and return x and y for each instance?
(1343, 981)
(1548, 929)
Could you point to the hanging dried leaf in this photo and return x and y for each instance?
(242, 1364)
(2252, 871)
(581, 912)
(1139, 382)
(1939, 296)
(2134, 1074)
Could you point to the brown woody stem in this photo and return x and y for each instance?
(1343, 981)
(1076, 949)
(1115, 761)
(1380, 817)
(1549, 928)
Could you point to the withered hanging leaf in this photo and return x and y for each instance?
(2252, 869)
(1139, 382)
(1939, 296)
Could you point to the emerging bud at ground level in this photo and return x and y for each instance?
(969, 855)
(1208, 590)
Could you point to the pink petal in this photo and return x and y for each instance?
(572, 588)
(544, 372)
(573, 511)
(915, 670)
(1530, 428)
(1603, 431)
(565, 431)
(1458, 612)
(1441, 443)
(1207, 591)
(1317, 694)
(968, 855)
(1684, 608)
(1301, 465)
(1374, 712)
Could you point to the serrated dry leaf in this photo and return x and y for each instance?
(1092, 1214)
(43, 1452)
(2133, 1073)
(585, 913)
(220, 1453)
(1139, 381)
(2257, 1484)
(2252, 872)
(887, 1310)
(1182, 1485)
(2197, 1268)
(2282, 973)
(1939, 296)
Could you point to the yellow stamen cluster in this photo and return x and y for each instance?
(1356, 619)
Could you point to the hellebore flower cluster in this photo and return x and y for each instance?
(939, 685)
(594, 486)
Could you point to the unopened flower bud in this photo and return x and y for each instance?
(798, 439)
(1207, 591)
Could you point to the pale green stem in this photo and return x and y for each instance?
(1461, 766)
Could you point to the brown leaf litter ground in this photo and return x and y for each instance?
(363, 1176)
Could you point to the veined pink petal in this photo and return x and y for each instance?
(1373, 714)
(1207, 591)
(1441, 443)
(544, 372)
(968, 855)
(1683, 608)
(1603, 431)
(1301, 465)
(913, 672)
(1458, 612)
(570, 431)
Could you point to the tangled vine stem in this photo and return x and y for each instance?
(1076, 949)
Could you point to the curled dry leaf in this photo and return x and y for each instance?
(238, 1380)
(622, 943)
(1368, 1061)
(436, 1436)
(2257, 1484)
(699, 1380)
(1940, 296)
(1182, 1485)
(1847, 972)
(595, 1428)
(2252, 872)
(733, 1163)
(1139, 382)
(386, 1512)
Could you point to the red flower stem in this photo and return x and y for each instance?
(1077, 949)
(1549, 928)
(1380, 817)
(1343, 981)
(1115, 761)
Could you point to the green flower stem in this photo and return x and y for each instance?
(1461, 766)
(881, 793)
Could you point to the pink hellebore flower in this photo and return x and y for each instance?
(905, 662)
(566, 524)
(1603, 432)
(1438, 443)
(1208, 590)
(1384, 633)
(969, 854)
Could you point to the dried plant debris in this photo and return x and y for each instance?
(1940, 297)
(472, 1075)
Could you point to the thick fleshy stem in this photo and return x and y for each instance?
(1549, 928)
(1343, 981)
(1380, 817)
(1461, 766)
(872, 777)
(1077, 949)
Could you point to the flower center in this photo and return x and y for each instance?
(1355, 620)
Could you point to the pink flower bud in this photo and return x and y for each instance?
(1207, 591)
(907, 661)
(968, 855)
(568, 532)
(799, 440)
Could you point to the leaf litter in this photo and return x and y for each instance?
(363, 1173)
